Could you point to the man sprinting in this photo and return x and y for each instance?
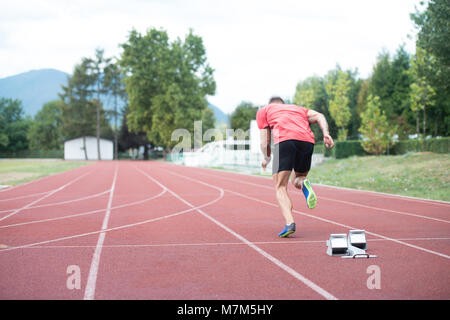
(293, 149)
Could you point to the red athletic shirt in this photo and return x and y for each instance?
(287, 122)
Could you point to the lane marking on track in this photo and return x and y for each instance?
(43, 197)
(93, 271)
(391, 196)
(122, 227)
(329, 221)
(62, 202)
(26, 196)
(213, 244)
(86, 213)
(43, 178)
(345, 226)
(375, 193)
(265, 254)
(341, 201)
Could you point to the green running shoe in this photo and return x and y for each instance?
(311, 199)
(288, 229)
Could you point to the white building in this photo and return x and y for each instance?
(73, 149)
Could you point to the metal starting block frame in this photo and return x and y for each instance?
(354, 246)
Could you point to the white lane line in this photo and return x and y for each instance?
(92, 278)
(341, 201)
(213, 244)
(43, 197)
(25, 196)
(386, 210)
(62, 202)
(126, 226)
(129, 204)
(265, 254)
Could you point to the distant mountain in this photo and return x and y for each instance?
(37, 87)
(221, 117)
(34, 88)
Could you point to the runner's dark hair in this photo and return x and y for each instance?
(276, 99)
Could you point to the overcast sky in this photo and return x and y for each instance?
(257, 48)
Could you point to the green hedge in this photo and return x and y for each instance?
(33, 154)
(344, 149)
(437, 145)
(441, 145)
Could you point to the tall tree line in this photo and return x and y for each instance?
(405, 95)
(155, 87)
(408, 92)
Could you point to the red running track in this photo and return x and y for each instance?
(154, 230)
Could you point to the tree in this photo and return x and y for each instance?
(434, 32)
(305, 92)
(355, 120)
(45, 129)
(113, 82)
(79, 109)
(241, 117)
(339, 103)
(399, 111)
(433, 27)
(311, 94)
(391, 80)
(381, 83)
(96, 70)
(167, 83)
(13, 125)
(422, 93)
(375, 128)
(363, 94)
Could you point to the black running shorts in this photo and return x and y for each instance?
(292, 154)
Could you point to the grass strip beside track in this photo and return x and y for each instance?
(13, 172)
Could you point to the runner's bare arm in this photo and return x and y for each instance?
(319, 118)
(265, 145)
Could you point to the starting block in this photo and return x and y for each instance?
(352, 246)
(337, 245)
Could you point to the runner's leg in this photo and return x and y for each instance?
(281, 180)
